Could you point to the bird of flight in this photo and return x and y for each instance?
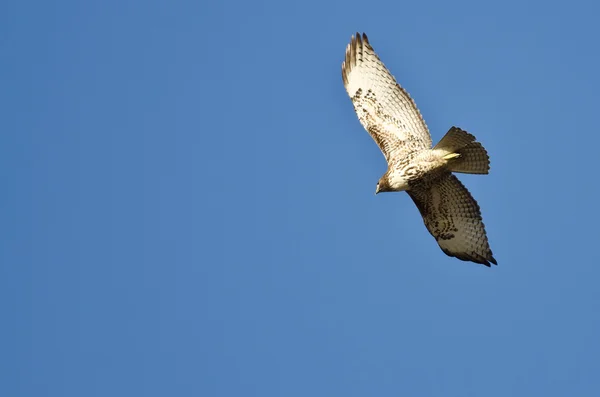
(393, 120)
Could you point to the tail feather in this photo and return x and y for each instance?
(472, 157)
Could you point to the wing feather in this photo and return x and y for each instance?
(453, 218)
(384, 108)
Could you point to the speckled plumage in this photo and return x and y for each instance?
(393, 120)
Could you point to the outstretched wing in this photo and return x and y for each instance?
(384, 108)
(453, 217)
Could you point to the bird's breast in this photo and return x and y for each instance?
(398, 181)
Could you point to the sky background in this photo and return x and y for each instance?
(188, 204)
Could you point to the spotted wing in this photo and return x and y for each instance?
(453, 217)
(384, 108)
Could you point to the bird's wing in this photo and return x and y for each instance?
(453, 217)
(384, 108)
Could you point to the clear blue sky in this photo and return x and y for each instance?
(188, 204)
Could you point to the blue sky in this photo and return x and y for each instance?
(188, 204)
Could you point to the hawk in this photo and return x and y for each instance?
(391, 117)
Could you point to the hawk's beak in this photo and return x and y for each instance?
(377, 190)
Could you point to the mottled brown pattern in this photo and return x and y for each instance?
(453, 218)
(391, 117)
(384, 108)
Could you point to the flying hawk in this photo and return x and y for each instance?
(391, 117)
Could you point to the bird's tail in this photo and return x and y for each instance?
(463, 153)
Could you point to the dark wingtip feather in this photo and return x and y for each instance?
(355, 46)
(472, 258)
(488, 261)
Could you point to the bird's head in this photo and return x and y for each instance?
(383, 185)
